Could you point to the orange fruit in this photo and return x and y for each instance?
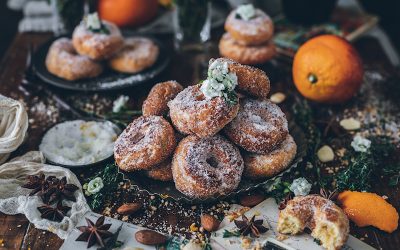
(127, 12)
(327, 69)
(369, 209)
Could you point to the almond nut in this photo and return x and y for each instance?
(350, 124)
(251, 200)
(129, 208)
(278, 97)
(325, 154)
(149, 237)
(209, 222)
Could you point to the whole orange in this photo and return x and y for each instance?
(327, 69)
(127, 12)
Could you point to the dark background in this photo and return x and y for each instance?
(387, 10)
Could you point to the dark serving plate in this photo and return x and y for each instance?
(108, 80)
(167, 189)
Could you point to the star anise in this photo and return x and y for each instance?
(60, 190)
(38, 183)
(330, 195)
(94, 232)
(253, 227)
(54, 213)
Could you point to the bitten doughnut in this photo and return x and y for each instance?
(328, 222)
(63, 61)
(137, 54)
(97, 45)
(259, 127)
(256, 30)
(251, 80)
(192, 113)
(146, 142)
(156, 102)
(267, 165)
(161, 172)
(206, 167)
(251, 55)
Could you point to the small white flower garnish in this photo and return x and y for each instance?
(246, 11)
(219, 81)
(278, 97)
(93, 21)
(300, 186)
(119, 103)
(360, 144)
(94, 186)
(325, 154)
(350, 124)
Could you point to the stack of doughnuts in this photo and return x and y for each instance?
(248, 39)
(206, 145)
(85, 55)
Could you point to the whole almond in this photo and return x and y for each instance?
(209, 222)
(251, 200)
(129, 208)
(149, 237)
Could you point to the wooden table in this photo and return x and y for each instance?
(18, 233)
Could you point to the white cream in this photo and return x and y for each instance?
(246, 11)
(360, 144)
(93, 21)
(79, 142)
(300, 186)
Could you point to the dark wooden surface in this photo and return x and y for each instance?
(17, 233)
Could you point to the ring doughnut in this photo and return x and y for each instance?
(63, 61)
(251, 55)
(259, 127)
(192, 113)
(137, 54)
(156, 102)
(97, 46)
(206, 167)
(161, 172)
(267, 165)
(251, 80)
(146, 142)
(327, 221)
(255, 31)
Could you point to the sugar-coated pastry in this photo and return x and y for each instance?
(146, 142)
(161, 172)
(192, 113)
(63, 61)
(249, 26)
(270, 164)
(156, 102)
(328, 222)
(250, 54)
(259, 127)
(137, 54)
(206, 167)
(97, 39)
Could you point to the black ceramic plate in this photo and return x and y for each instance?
(116, 128)
(108, 80)
(153, 187)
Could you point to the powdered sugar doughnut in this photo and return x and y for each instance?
(147, 141)
(266, 165)
(97, 46)
(156, 102)
(162, 171)
(192, 113)
(251, 80)
(250, 54)
(63, 61)
(259, 127)
(138, 54)
(257, 30)
(206, 167)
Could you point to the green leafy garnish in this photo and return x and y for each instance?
(228, 234)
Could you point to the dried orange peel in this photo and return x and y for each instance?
(369, 209)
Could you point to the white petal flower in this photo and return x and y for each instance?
(95, 185)
(300, 186)
(246, 11)
(360, 144)
(119, 103)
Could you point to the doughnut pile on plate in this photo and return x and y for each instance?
(94, 44)
(206, 145)
(248, 39)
